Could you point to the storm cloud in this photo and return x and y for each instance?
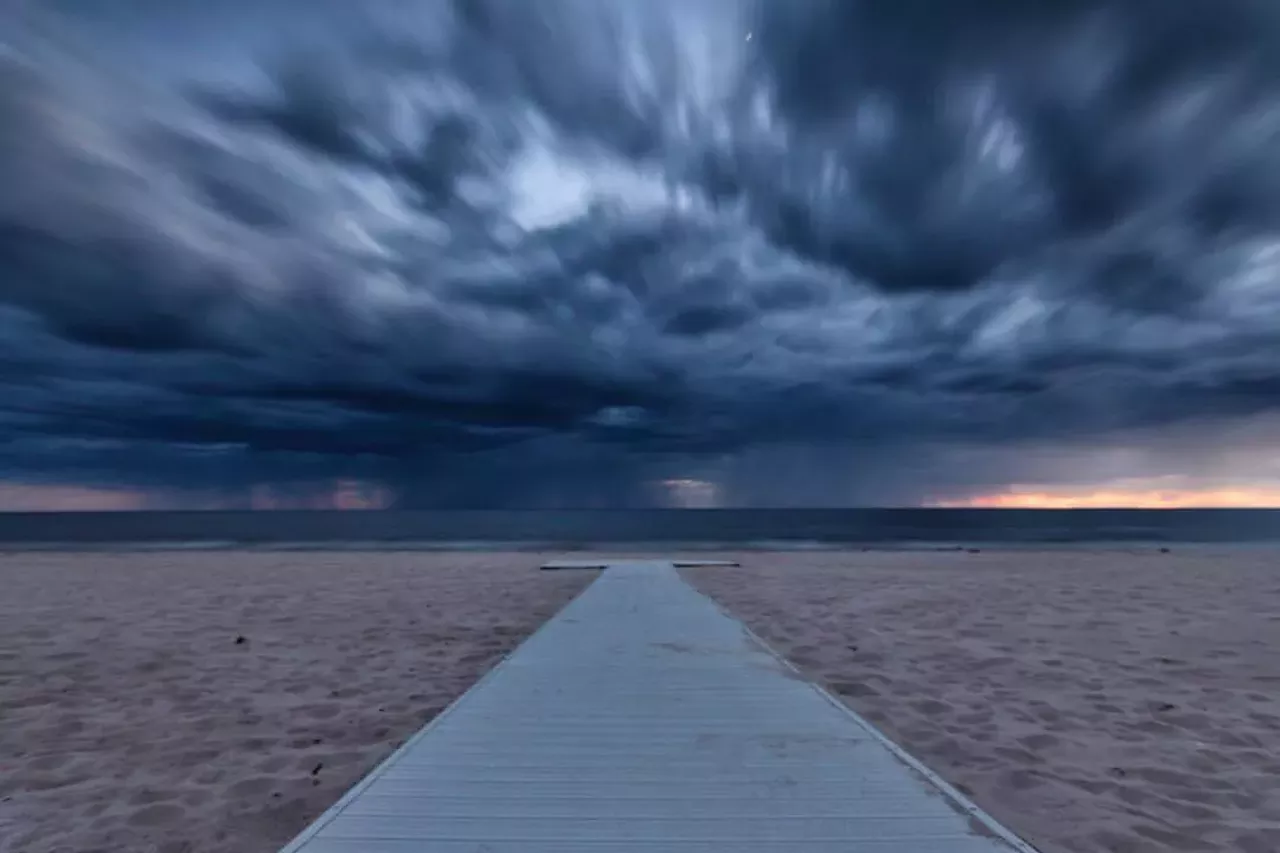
(473, 247)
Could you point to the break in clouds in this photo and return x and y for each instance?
(521, 251)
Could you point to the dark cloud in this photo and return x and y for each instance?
(546, 251)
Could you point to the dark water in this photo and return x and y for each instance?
(562, 528)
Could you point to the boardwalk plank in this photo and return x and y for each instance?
(644, 719)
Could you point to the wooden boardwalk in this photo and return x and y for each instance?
(642, 719)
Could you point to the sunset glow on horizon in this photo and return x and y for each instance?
(1102, 497)
(1158, 493)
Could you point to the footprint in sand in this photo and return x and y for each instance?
(149, 796)
(48, 762)
(321, 711)
(1040, 742)
(254, 787)
(931, 708)
(273, 765)
(160, 814)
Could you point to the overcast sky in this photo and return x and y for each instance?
(537, 252)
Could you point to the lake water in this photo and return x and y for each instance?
(568, 528)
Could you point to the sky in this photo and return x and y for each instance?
(612, 253)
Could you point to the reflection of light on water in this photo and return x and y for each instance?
(691, 494)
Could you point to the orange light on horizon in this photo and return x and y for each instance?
(1237, 497)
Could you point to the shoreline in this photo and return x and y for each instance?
(645, 548)
(652, 528)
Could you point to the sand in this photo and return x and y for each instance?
(1108, 701)
(217, 702)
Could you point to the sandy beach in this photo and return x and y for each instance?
(1104, 702)
(218, 701)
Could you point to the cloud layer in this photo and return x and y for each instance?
(493, 240)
